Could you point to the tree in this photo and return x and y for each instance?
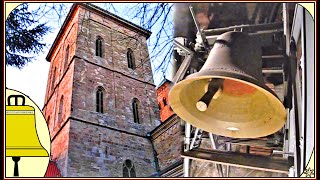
(23, 36)
(157, 15)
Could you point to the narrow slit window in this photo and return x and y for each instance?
(66, 58)
(60, 110)
(130, 58)
(99, 47)
(53, 79)
(99, 100)
(135, 109)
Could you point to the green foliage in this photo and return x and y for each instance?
(23, 36)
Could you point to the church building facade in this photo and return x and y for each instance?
(100, 100)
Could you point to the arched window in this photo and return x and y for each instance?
(164, 101)
(99, 47)
(128, 169)
(53, 79)
(60, 110)
(66, 58)
(135, 110)
(130, 58)
(99, 100)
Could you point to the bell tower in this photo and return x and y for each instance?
(100, 99)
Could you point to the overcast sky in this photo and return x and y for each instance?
(32, 79)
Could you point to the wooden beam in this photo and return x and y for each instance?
(263, 163)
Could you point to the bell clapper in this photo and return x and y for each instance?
(217, 94)
(213, 92)
(201, 106)
(16, 167)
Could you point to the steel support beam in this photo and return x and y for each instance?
(185, 64)
(245, 28)
(292, 88)
(194, 138)
(186, 160)
(228, 166)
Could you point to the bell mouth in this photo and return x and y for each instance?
(246, 108)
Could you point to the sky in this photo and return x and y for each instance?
(32, 79)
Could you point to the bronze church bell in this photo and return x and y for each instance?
(228, 95)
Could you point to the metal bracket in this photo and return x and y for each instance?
(204, 40)
(185, 64)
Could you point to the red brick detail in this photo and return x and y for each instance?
(52, 170)
(163, 102)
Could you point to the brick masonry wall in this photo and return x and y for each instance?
(60, 142)
(120, 83)
(60, 83)
(59, 149)
(119, 92)
(96, 151)
(61, 86)
(168, 143)
(116, 40)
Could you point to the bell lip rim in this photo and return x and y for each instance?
(264, 88)
(30, 156)
(21, 106)
(29, 153)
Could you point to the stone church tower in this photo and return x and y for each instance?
(100, 100)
